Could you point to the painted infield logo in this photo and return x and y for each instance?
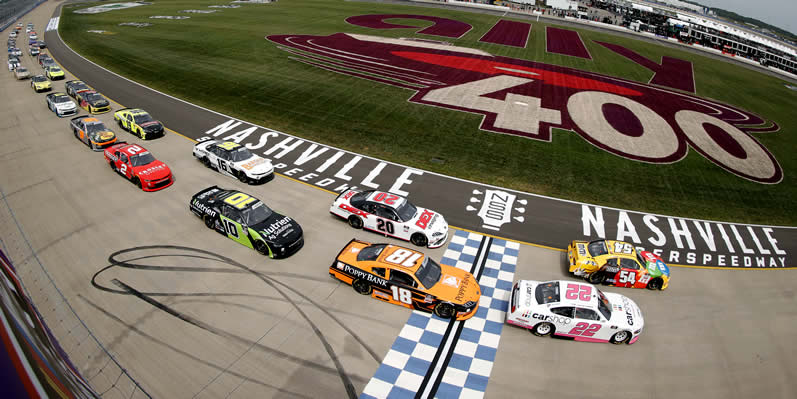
(524, 98)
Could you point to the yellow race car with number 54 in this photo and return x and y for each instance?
(408, 278)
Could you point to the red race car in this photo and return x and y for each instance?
(139, 166)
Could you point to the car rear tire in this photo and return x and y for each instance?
(209, 222)
(596, 278)
(241, 176)
(542, 329)
(419, 240)
(113, 168)
(261, 247)
(119, 122)
(206, 162)
(444, 310)
(362, 287)
(655, 284)
(356, 222)
(620, 337)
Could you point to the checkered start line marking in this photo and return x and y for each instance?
(434, 357)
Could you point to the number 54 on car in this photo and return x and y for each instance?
(407, 278)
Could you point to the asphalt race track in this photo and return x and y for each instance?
(191, 314)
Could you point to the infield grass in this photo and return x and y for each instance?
(222, 61)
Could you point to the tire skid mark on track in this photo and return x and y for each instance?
(280, 287)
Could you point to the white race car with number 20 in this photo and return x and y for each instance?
(574, 310)
(391, 215)
(233, 159)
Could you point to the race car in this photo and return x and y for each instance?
(47, 62)
(42, 44)
(21, 73)
(138, 165)
(74, 86)
(92, 132)
(391, 215)
(408, 278)
(92, 102)
(232, 159)
(248, 221)
(40, 83)
(573, 310)
(617, 263)
(138, 122)
(54, 73)
(61, 104)
(34, 50)
(41, 57)
(13, 63)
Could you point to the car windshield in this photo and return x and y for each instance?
(20, 70)
(92, 128)
(642, 261)
(78, 87)
(93, 97)
(406, 211)
(547, 292)
(241, 154)
(55, 69)
(256, 213)
(597, 248)
(429, 273)
(61, 99)
(141, 159)
(38, 79)
(604, 305)
(370, 252)
(142, 118)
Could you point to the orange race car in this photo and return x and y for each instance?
(407, 278)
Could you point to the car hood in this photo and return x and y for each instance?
(656, 267)
(152, 126)
(98, 103)
(153, 171)
(255, 165)
(456, 286)
(625, 312)
(65, 105)
(103, 136)
(278, 229)
(429, 220)
(45, 84)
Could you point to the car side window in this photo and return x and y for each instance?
(629, 264)
(368, 207)
(563, 311)
(402, 278)
(612, 262)
(231, 213)
(385, 212)
(123, 157)
(379, 271)
(586, 314)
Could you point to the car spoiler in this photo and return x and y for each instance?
(348, 244)
(211, 188)
(344, 192)
(123, 109)
(77, 118)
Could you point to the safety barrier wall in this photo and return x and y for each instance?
(12, 10)
(77, 352)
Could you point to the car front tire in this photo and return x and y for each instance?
(655, 284)
(596, 278)
(620, 337)
(261, 247)
(444, 310)
(419, 240)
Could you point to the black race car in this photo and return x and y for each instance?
(248, 221)
(74, 86)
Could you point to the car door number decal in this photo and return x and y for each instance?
(239, 200)
(231, 228)
(585, 329)
(627, 277)
(123, 169)
(223, 165)
(402, 295)
(403, 257)
(580, 292)
(385, 225)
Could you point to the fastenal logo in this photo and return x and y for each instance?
(637, 121)
(496, 208)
